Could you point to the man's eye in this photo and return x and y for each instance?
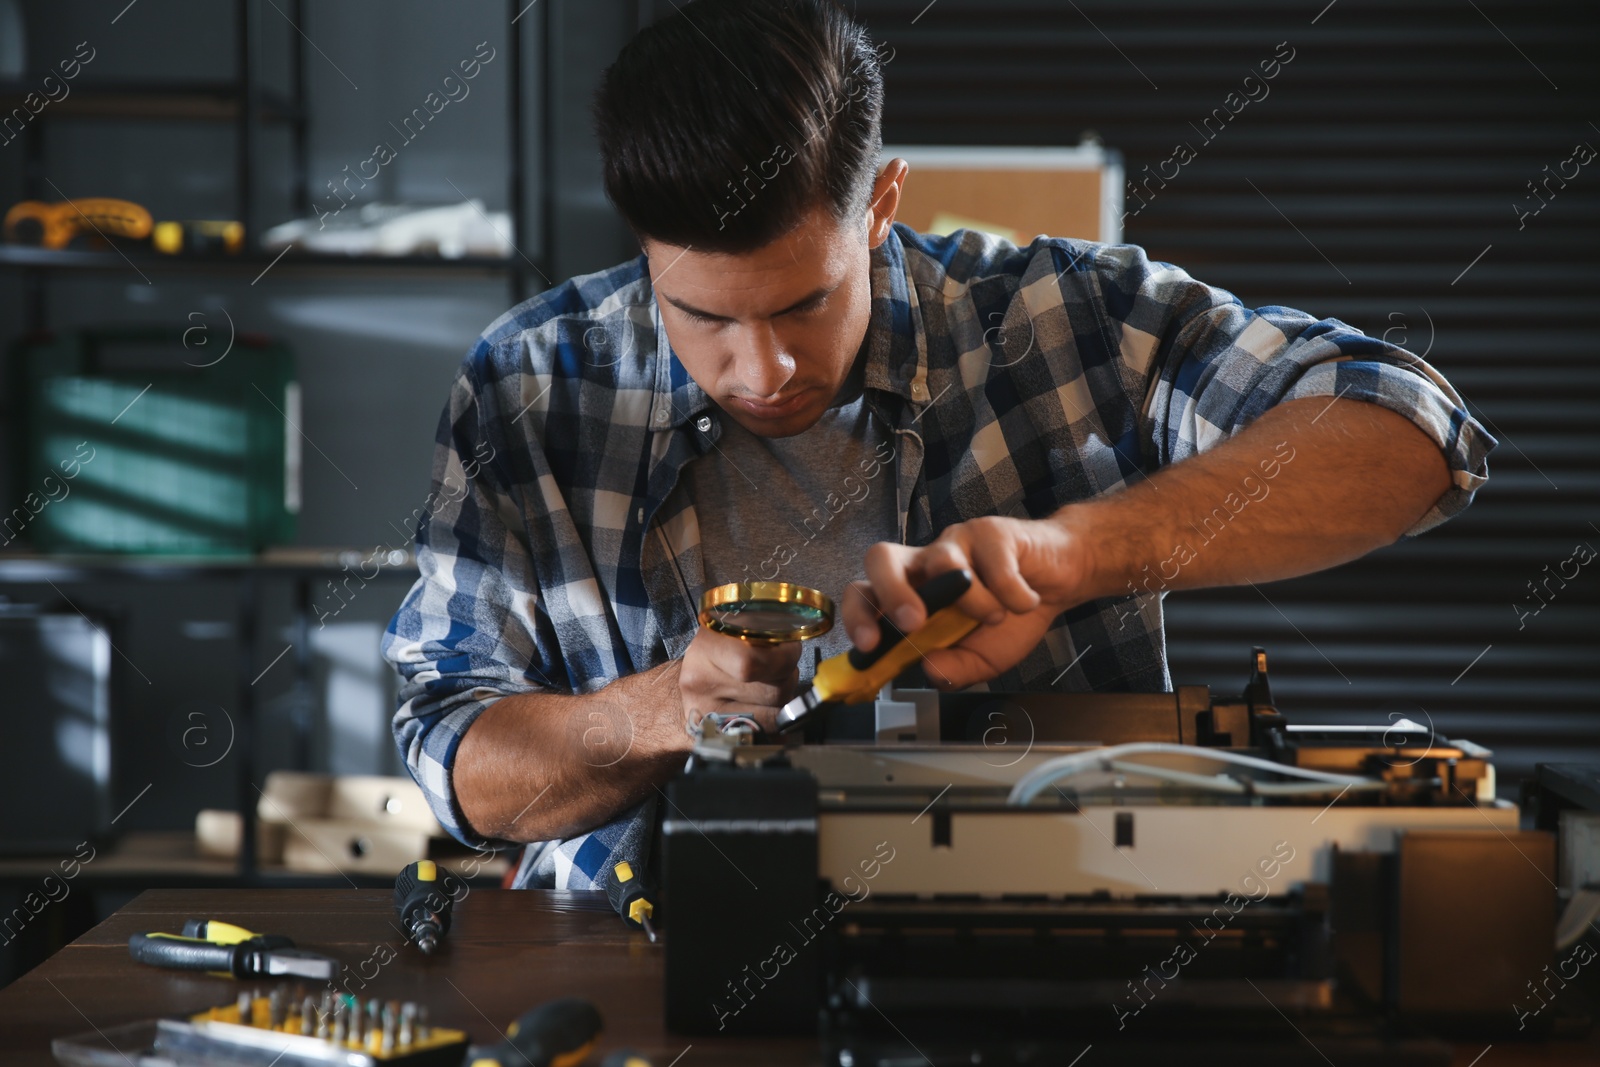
(695, 316)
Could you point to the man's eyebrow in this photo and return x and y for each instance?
(810, 298)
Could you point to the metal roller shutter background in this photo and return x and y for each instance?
(1376, 183)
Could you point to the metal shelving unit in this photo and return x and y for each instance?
(246, 104)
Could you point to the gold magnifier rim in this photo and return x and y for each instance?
(772, 592)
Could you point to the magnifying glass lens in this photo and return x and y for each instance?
(764, 616)
(766, 611)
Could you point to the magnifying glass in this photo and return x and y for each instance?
(766, 613)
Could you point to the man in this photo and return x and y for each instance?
(788, 384)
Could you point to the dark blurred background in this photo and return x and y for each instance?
(1389, 179)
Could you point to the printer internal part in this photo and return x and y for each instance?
(1008, 877)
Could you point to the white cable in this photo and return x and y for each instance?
(1217, 783)
(1041, 777)
(1318, 789)
(1224, 784)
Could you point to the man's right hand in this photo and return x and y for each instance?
(601, 752)
(733, 677)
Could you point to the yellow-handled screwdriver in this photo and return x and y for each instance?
(560, 1033)
(856, 676)
(632, 897)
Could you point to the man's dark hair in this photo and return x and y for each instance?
(722, 125)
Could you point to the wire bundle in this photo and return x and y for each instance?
(1315, 783)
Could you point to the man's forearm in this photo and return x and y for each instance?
(537, 766)
(1309, 485)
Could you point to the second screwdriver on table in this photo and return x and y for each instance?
(632, 898)
(424, 896)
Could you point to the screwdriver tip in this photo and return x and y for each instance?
(427, 943)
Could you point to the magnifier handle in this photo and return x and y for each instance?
(937, 593)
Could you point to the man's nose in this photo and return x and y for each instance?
(764, 367)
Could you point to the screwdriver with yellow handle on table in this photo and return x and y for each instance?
(856, 676)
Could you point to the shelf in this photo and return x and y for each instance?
(17, 567)
(201, 101)
(31, 257)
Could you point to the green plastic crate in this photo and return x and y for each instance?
(129, 444)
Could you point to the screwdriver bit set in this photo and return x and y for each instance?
(286, 1027)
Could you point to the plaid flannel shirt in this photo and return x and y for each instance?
(1016, 380)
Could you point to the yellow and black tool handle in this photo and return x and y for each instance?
(195, 954)
(938, 594)
(560, 1033)
(856, 676)
(221, 933)
(424, 897)
(630, 894)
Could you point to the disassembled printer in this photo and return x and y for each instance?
(1010, 877)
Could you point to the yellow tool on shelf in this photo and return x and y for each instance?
(35, 222)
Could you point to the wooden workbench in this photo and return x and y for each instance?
(507, 951)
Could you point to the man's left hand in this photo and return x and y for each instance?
(1332, 480)
(1025, 573)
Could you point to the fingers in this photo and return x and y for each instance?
(956, 668)
(951, 553)
(742, 661)
(760, 701)
(889, 573)
(760, 694)
(987, 548)
(858, 612)
(765, 717)
(723, 674)
(996, 565)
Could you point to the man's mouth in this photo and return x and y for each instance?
(787, 406)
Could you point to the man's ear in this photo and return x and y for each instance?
(885, 200)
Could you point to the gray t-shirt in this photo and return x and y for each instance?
(800, 509)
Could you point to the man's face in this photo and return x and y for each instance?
(771, 335)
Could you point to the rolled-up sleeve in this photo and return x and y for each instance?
(469, 631)
(1210, 367)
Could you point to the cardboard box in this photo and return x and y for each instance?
(326, 824)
